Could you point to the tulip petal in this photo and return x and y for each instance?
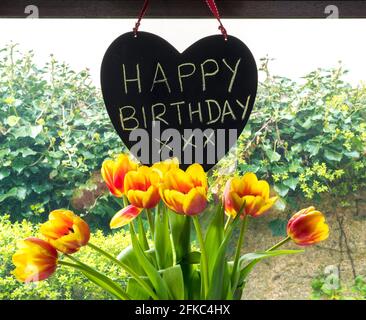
(195, 201)
(124, 216)
(35, 260)
(308, 227)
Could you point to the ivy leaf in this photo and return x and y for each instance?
(40, 188)
(352, 154)
(35, 131)
(332, 155)
(291, 183)
(273, 156)
(11, 193)
(4, 173)
(4, 152)
(25, 152)
(312, 148)
(19, 164)
(307, 124)
(16, 192)
(21, 193)
(30, 131)
(12, 120)
(281, 189)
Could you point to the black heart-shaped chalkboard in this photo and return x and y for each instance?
(192, 105)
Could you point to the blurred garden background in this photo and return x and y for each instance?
(307, 138)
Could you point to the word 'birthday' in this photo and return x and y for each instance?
(209, 112)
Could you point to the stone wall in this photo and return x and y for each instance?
(290, 277)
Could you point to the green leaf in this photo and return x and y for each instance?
(4, 173)
(21, 193)
(219, 282)
(135, 291)
(12, 120)
(173, 277)
(249, 260)
(16, 192)
(312, 148)
(194, 285)
(281, 189)
(192, 258)
(153, 274)
(307, 124)
(273, 156)
(11, 193)
(4, 152)
(100, 280)
(163, 245)
(25, 152)
(142, 234)
(296, 147)
(260, 255)
(291, 183)
(128, 257)
(35, 131)
(352, 154)
(40, 188)
(332, 155)
(214, 237)
(180, 226)
(27, 131)
(108, 286)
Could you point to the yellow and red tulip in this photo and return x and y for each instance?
(164, 166)
(185, 192)
(141, 187)
(307, 227)
(247, 189)
(124, 216)
(65, 231)
(114, 172)
(35, 260)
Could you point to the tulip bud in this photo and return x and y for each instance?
(307, 227)
(35, 260)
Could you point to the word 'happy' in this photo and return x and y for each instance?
(163, 88)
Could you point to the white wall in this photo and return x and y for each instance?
(299, 46)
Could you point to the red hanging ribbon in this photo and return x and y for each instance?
(210, 3)
(141, 15)
(215, 11)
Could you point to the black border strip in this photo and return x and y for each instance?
(181, 9)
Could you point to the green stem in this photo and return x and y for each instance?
(68, 264)
(204, 264)
(133, 274)
(227, 223)
(142, 234)
(151, 222)
(125, 201)
(243, 228)
(279, 244)
(112, 287)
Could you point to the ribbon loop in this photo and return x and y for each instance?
(141, 15)
(215, 11)
(210, 3)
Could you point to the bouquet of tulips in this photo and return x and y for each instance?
(162, 262)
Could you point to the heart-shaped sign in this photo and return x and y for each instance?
(191, 105)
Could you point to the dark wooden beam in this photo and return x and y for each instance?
(181, 9)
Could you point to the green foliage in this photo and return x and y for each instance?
(54, 134)
(329, 287)
(306, 138)
(66, 283)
